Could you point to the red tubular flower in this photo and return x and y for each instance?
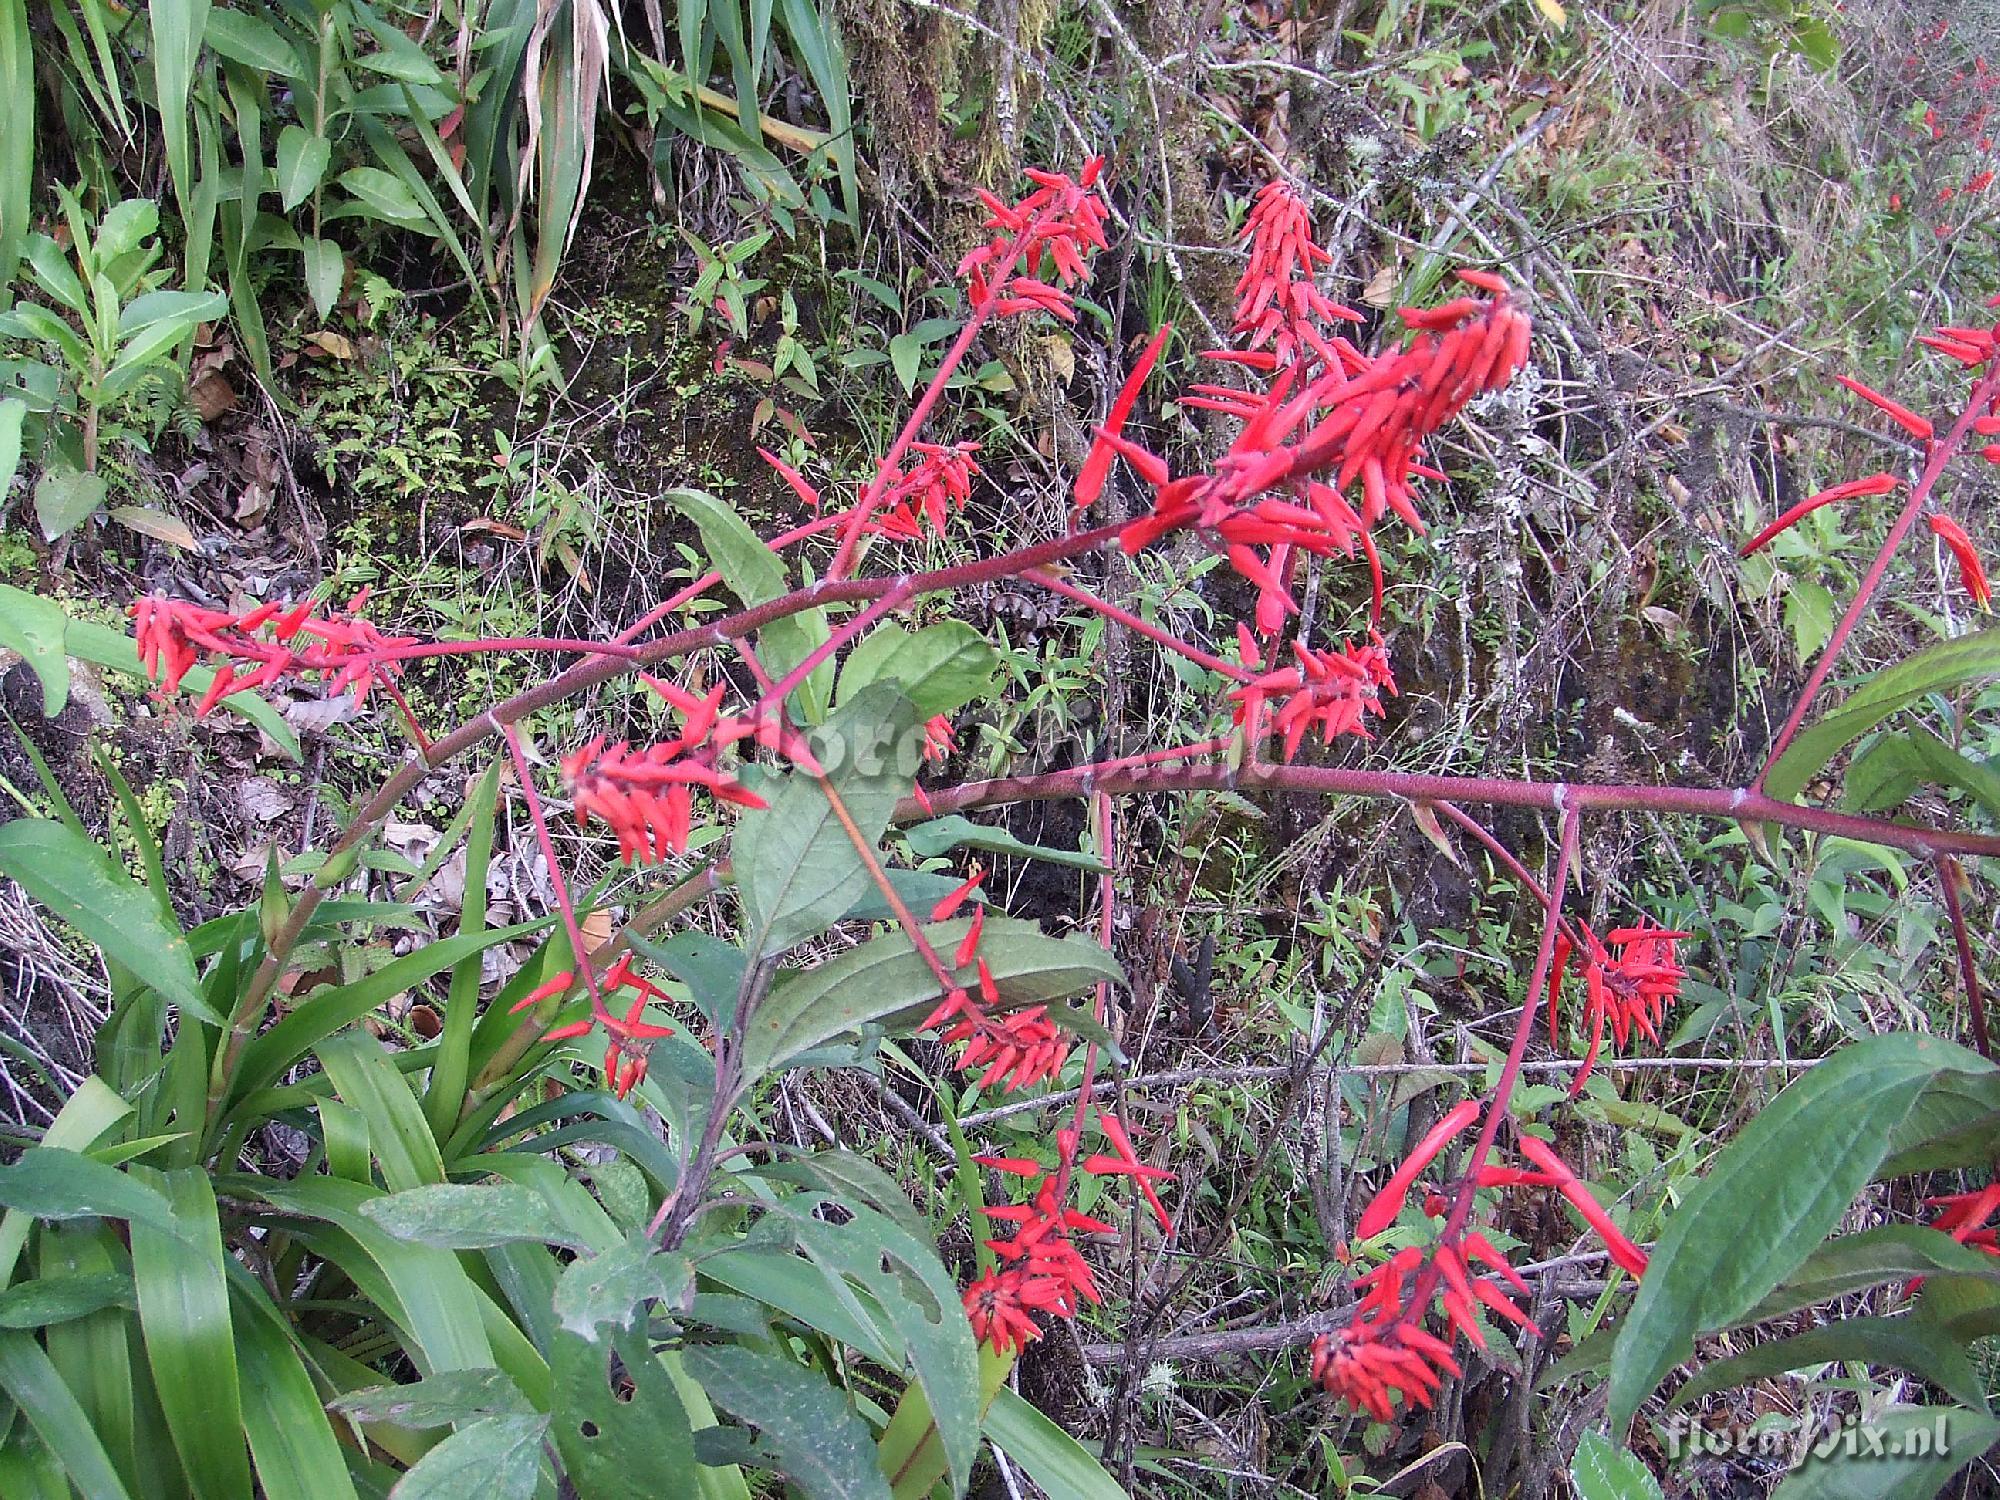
(1277, 302)
(1623, 1252)
(1360, 422)
(1874, 484)
(1127, 1164)
(1965, 1216)
(1097, 463)
(1971, 571)
(940, 739)
(1336, 690)
(1381, 1213)
(1629, 989)
(1916, 426)
(1063, 217)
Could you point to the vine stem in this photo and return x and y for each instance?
(1938, 460)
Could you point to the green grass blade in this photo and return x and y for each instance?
(446, 1095)
(297, 1456)
(28, 1376)
(190, 1341)
(17, 132)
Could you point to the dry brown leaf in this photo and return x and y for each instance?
(1381, 288)
(212, 396)
(156, 524)
(337, 345)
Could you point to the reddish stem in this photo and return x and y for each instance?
(1968, 971)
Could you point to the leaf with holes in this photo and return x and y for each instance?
(810, 1431)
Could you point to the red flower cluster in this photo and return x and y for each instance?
(1385, 1348)
(646, 797)
(1042, 1270)
(1967, 1217)
(937, 483)
(1630, 988)
(1335, 690)
(1277, 302)
(272, 641)
(631, 1035)
(1063, 217)
(1017, 1050)
(940, 481)
(1356, 427)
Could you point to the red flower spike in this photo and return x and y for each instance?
(1382, 1211)
(1971, 571)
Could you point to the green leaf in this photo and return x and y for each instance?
(78, 882)
(326, 270)
(178, 27)
(461, 1216)
(1063, 1467)
(383, 194)
(1947, 767)
(940, 668)
(367, 1080)
(12, 413)
(894, 1280)
(629, 1440)
(437, 1401)
(810, 1431)
(755, 574)
(1773, 1194)
(190, 1343)
(65, 499)
(59, 1299)
(326, 1011)
(940, 835)
(797, 869)
(29, 1377)
(499, 1457)
(1938, 668)
(303, 158)
(1855, 1468)
(297, 1455)
(906, 353)
(1601, 1470)
(1856, 1262)
(884, 980)
(1953, 1123)
(34, 626)
(608, 1287)
(254, 42)
(1905, 1343)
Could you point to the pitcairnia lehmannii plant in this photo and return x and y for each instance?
(811, 714)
